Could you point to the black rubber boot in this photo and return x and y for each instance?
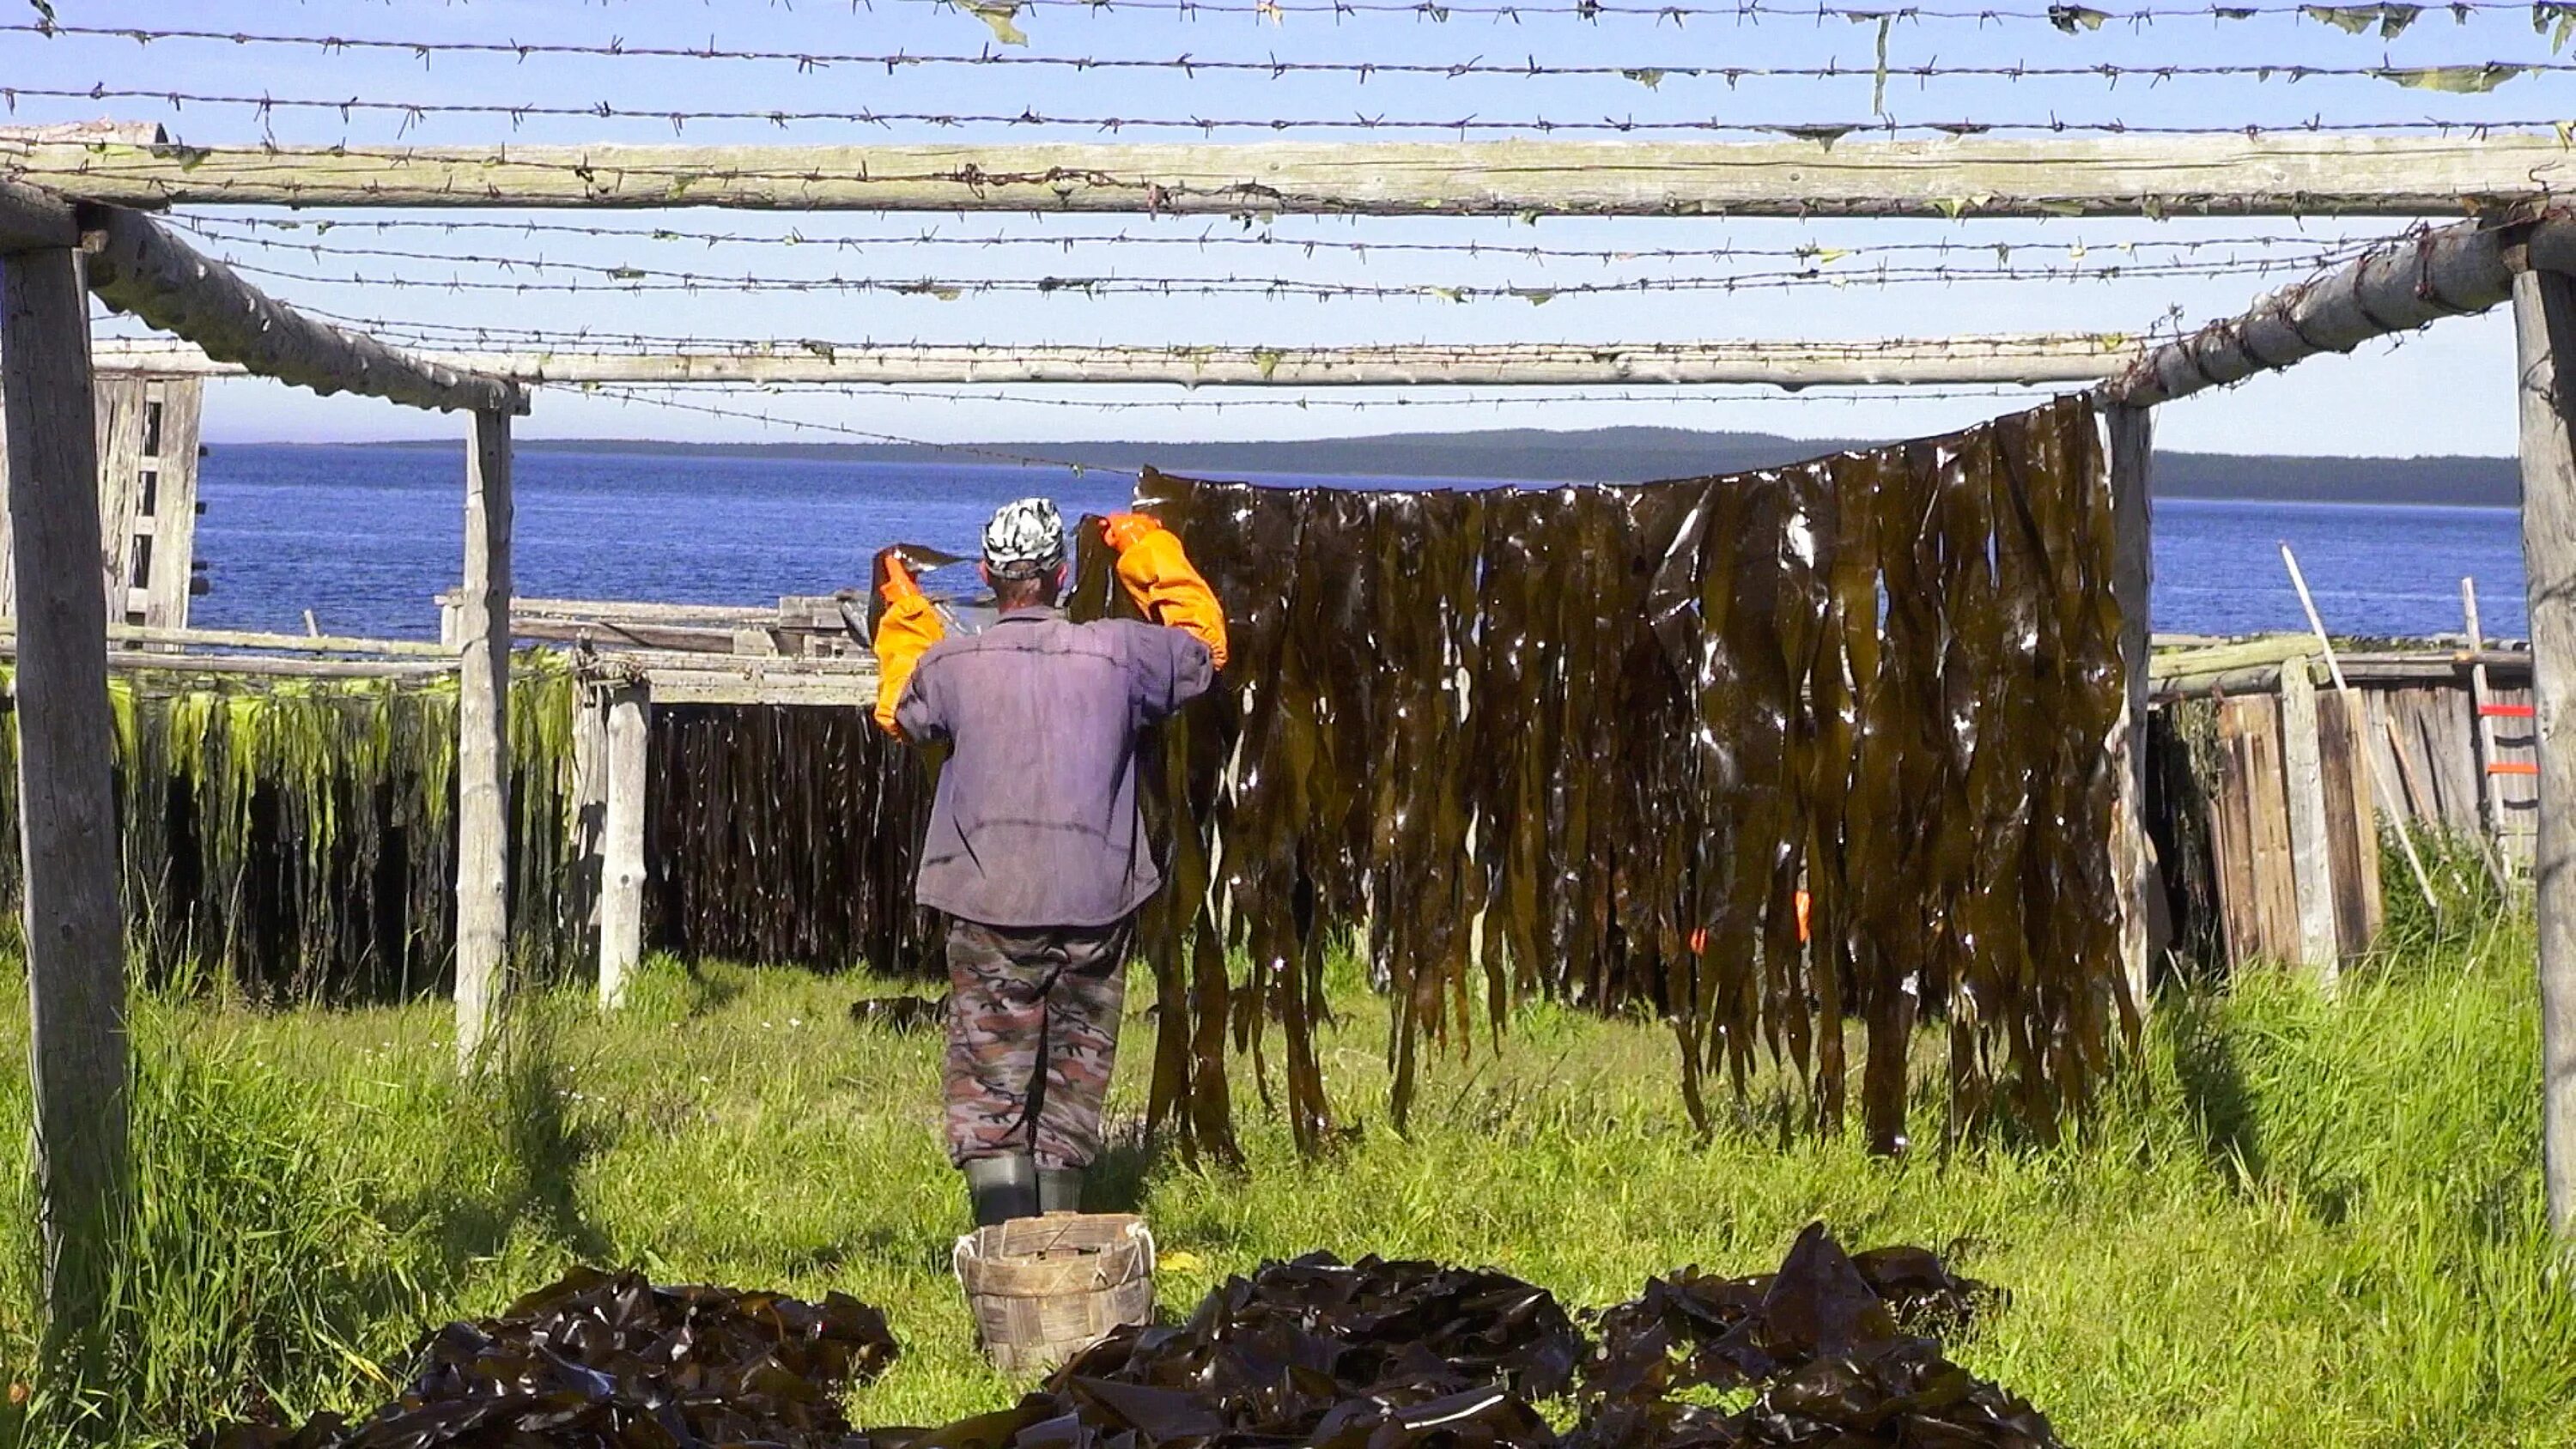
(1059, 1189)
(1002, 1188)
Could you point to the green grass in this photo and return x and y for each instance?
(2292, 1223)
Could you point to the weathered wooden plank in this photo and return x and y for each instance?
(692, 687)
(2397, 287)
(482, 743)
(2279, 173)
(2276, 890)
(2132, 457)
(2033, 358)
(172, 451)
(2544, 314)
(619, 634)
(2351, 825)
(2232, 836)
(2303, 783)
(589, 807)
(79, 1060)
(139, 661)
(137, 266)
(119, 403)
(621, 911)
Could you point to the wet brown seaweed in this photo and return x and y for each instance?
(1375, 1354)
(1829, 1345)
(612, 1361)
(786, 833)
(1593, 743)
(1412, 1355)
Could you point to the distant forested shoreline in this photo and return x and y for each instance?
(1624, 455)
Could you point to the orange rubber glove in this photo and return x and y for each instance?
(904, 633)
(1159, 578)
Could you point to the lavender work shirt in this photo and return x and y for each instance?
(1034, 822)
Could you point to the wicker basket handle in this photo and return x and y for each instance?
(965, 1241)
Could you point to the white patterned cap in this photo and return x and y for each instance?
(1025, 539)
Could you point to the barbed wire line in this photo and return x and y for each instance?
(2072, 19)
(950, 289)
(1024, 460)
(434, 335)
(2386, 21)
(244, 228)
(2474, 78)
(2069, 18)
(1817, 264)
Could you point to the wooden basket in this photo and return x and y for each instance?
(1044, 1288)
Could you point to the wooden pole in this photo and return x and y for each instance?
(79, 1060)
(621, 913)
(2396, 287)
(2544, 315)
(2280, 173)
(482, 742)
(2034, 358)
(2388, 800)
(2482, 739)
(137, 266)
(2311, 851)
(2132, 450)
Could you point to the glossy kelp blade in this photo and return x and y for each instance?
(1767, 753)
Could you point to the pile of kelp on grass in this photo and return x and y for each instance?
(1595, 742)
(295, 839)
(608, 1360)
(1830, 1350)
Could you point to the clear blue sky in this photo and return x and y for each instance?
(2446, 391)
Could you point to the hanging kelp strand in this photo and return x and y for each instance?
(785, 833)
(1776, 754)
(295, 838)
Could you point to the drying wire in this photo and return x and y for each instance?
(2065, 17)
(245, 228)
(1024, 460)
(637, 281)
(2482, 77)
(471, 336)
(2068, 18)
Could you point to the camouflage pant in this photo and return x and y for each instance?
(1032, 1034)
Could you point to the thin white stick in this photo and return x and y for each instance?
(2352, 701)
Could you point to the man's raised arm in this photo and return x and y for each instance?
(908, 629)
(1158, 577)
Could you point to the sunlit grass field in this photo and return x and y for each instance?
(2291, 1223)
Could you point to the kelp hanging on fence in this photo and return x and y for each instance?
(786, 833)
(1593, 742)
(296, 838)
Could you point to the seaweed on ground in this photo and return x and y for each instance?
(616, 1363)
(1375, 1354)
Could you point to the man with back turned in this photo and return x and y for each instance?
(1035, 851)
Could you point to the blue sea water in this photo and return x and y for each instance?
(365, 537)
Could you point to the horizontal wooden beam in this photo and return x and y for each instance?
(2280, 173)
(249, 639)
(137, 266)
(2399, 286)
(2036, 359)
